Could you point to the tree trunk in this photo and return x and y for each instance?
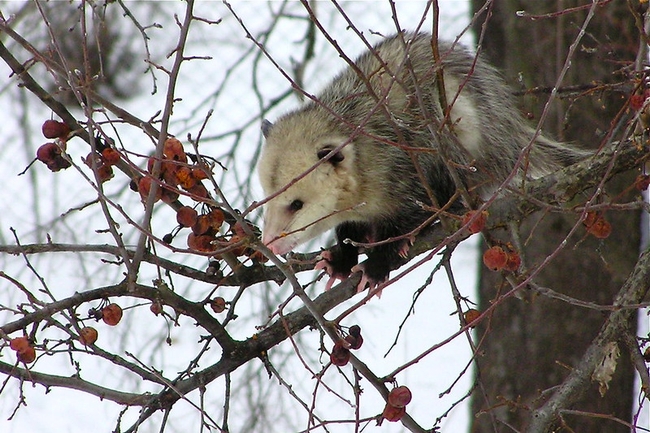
(531, 344)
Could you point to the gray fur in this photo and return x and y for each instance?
(387, 110)
(503, 130)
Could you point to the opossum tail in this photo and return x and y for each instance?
(548, 155)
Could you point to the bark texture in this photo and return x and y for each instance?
(530, 345)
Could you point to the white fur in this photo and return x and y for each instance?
(464, 117)
(326, 191)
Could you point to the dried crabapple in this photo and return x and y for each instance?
(186, 216)
(50, 155)
(19, 343)
(168, 171)
(601, 229)
(340, 355)
(168, 196)
(59, 163)
(112, 314)
(91, 158)
(202, 225)
(354, 338)
(478, 224)
(133, 185)
(173, 149)
(214, 268)
(392, 413)
(26, 355)
(110, 156)
(88, 335)
(590, 218)
(144, 186)
(636, 101)
(185, 177)
(642, 182)
(25, 352)
(646, 354)
(216, 218)
(47, 152)
(597, 225)
(354, 342)
(150, 162)
(55, 129)
(200, 242)
(199, 173)
(237, 245)
(104, 173)
(470, 316)
(198, 191)
(495, 258)
(156, 307)
(218, 304)
(399, 397)
(239, 230)
(513, 262)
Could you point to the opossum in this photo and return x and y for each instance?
(373, 153)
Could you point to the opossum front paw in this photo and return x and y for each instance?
(404, 248)
(337, 263)
(326, 263)
(367, 280)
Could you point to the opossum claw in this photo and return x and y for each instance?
(366, 280)
(325, 264)
(403, 251)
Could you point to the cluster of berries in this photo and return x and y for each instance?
(205, 235)
(25, 351)
(340, 354)
(103, 161)
(396, 402)
(111, 314)
(174, 172)
(51, 153)
(502, 257)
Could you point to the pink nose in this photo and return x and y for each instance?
(268, 241)
(279, 245)
(274, 247)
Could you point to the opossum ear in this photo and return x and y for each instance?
(266, 128)
(334, 159)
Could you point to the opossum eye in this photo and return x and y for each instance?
(336, 158)
(295, 206)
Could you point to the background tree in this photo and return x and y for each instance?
(531, 346)
(193, 333)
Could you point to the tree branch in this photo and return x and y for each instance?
(633, 291)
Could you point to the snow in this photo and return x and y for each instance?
(234, 105)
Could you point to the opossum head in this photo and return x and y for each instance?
(307, 203)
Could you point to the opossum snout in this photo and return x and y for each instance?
(279, 245)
